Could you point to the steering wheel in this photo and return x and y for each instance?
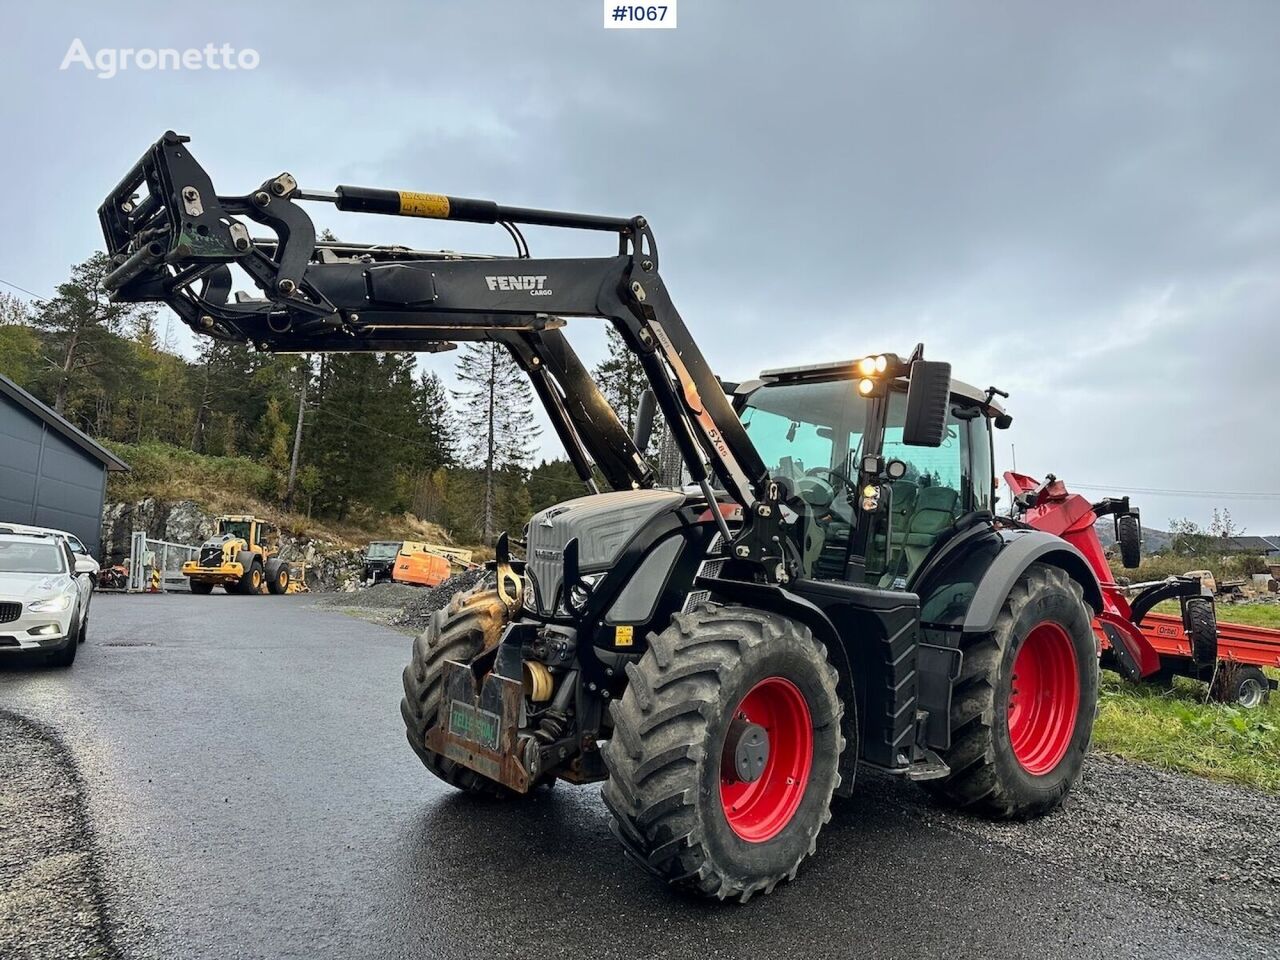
(817, 492)
(831, 471)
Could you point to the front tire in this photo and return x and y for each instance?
(201, 588)
(65, 656)
(471, 623)
(724, 695)
(1023, 708)
(251, 579)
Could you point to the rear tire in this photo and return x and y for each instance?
(1241, 685)
(677, 804)
(1017, 744)
(472, 622)
(201, 587)
(1129, 536)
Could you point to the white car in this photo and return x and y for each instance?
(77, 547)
(44, 597)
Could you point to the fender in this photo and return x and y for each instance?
(1021, 549)
(775, 599)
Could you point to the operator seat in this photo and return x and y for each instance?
(934, 512)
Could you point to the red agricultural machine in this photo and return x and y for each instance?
(1137, 642)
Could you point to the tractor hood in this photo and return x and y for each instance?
(219, 540)
(603, 524)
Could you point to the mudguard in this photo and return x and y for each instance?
(1021, 549)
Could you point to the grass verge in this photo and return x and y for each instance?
(1175, 729)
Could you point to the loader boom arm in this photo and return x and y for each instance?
(176, 245)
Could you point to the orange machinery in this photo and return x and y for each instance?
(422, 564)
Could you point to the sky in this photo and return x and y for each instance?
(1079, 204)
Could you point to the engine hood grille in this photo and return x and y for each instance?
(603, 524)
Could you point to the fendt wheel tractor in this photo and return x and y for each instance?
(831, 589)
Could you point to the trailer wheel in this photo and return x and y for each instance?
(471, 622)
(1023, 708)
(724, 751)
(1241, 685)
(1129, 536)
(201, 587)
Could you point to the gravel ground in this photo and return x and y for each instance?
(51, 905)
(1209, 849)
(402, 604)
(254, 798)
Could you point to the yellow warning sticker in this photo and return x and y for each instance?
(433, 205)
(622, 636)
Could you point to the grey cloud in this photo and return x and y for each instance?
(1080, 204)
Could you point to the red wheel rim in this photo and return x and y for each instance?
(1044, 698)
(760, 810)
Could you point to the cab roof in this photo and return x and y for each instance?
(845, 370)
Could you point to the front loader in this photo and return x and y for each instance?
(241, 557)
(830, 590)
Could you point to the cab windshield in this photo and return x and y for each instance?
(236, 528)
(806, 428)
(383, 550)
(810, 436)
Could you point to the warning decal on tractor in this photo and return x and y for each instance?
(622, 636)
(471, 723)
(431, 205)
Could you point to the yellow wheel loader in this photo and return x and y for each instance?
(241, 558)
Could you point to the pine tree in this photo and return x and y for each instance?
(497, 403)
(436, 422)
(79, 331)
(622, 380)
(19, 346)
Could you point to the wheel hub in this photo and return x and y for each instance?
(746, 750)
(769, 741)
(1250, 693)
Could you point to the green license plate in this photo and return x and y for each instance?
(473, 724)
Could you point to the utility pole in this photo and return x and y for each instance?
(297, 433)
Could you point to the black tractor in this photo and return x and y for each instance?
(830, 589)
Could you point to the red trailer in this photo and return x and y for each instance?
(1136, 642)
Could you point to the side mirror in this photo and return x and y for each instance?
(644, 420)
(84, 565)
(928, 397)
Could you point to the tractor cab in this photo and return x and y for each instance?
(873, 499)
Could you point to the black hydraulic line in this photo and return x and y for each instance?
(438, 206)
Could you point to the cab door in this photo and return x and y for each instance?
(939, 487)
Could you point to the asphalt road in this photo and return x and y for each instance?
(249, 793)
